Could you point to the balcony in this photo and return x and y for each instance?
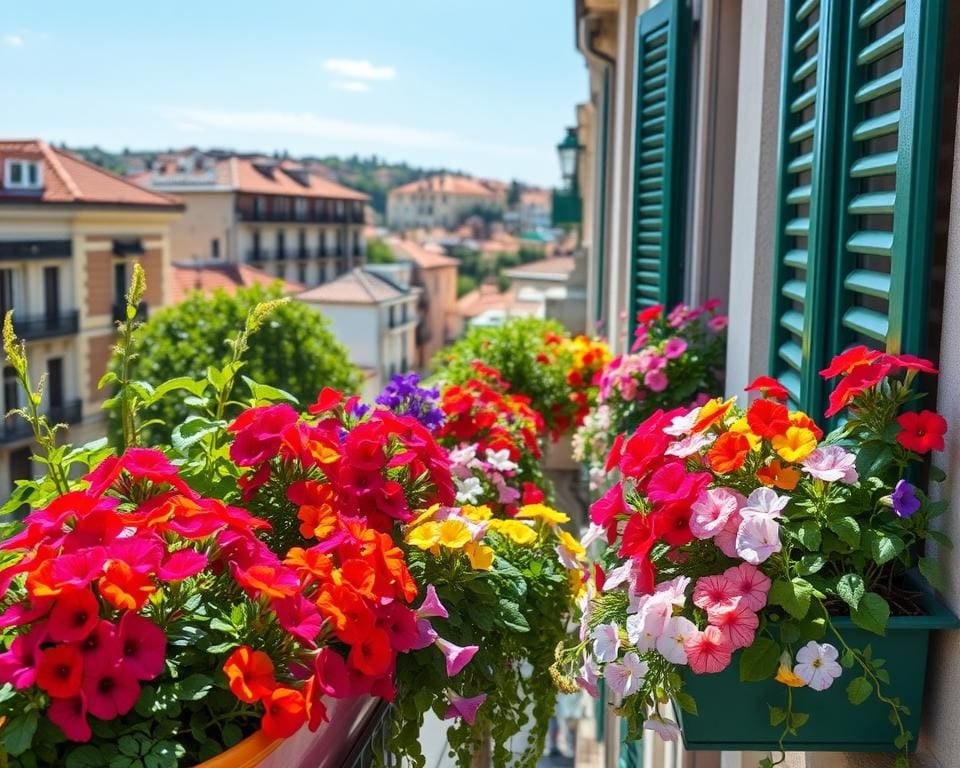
(257, 257)
(321, 216)
(63, 323)
(35, 249)
(120, 312)
(14, 428)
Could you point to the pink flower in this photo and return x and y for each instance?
(588, 678)
(606, 642)
(456, 657)
(655, 381)
(110, 688)
(690, 445)
(764, 501)
(708, 652)
(337, 679)
(182, 564)
(726, 539)
(674, 348)
(71, 716)
(101, 642)
(675, 590)
(672, 482)
(750, 583)
(738, 624)
(645, 627)
(431, 607)
(664, 727)
(300, 617)
(831, 463)
(817, 665)
(400, 623)
(757, 538)
(681, 425)
(143, 646)
(464, 707)
(18, 665)
(717, 323)
(426, 635)
(259, 432)
(712, 511)
(672, 642)
(714, 592)
(626, 677)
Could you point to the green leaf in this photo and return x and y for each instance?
(859, 690)
(871, 614)
(850, 589)
(847, 528)
(937, 475)
(89, 756)
(686, 702)
(902, 740)
(810, 564)
(931, 571)
(759, 660)
(882, 546)
(194, 687)
(510, 617)
(264, 393)
(798, 719)
(18, 732)
(809, 535)
(794, 596)
(193, 386)
(777, 716)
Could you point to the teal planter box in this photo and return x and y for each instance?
(735, 716)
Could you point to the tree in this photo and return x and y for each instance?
(293, 351)
(378, 252)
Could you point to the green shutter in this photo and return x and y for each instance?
(660, 155)
(600, 198)
(631, 752)
(809, 118)
(890, 138)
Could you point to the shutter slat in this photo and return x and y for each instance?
(657, 95)
(796, 259)
(871, 243)
(882, 46)
(868, 283)
(877, 11)
(881, 86)
(807, 37)
(806, 9)
(879, 164)
(791, 381)
(798, 227)
(872, 202)
(799, 195)
(792, 355)
(801, 163)
(795, 290)
(802, 132)
(874, 127)
(804, 100)
(793, 322)
(806, 69)
(868, 322)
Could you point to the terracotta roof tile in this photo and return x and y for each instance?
(487, 298)
(227, 277)
(445, 183)
(271, 179)
(354, 287)
(424, 256)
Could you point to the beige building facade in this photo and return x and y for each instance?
(440, 201)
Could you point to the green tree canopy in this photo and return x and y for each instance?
(293, 350)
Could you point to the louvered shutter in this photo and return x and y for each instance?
(808, 122)
(660, 154)
(891, 108)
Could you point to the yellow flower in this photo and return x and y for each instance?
(742, 427)
(424, 536)
(577, 583)
(542, 512)
(476, 514)
(514, 530)
(712, 412)
(785, 675)
(481, 556)
(453, 534)
(426, 514)
(795, 444)
(571, 544)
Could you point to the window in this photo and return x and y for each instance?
(300, 207)
(21, 465)
(51, 292)
(22, 174)
(281, 207)
(6, 291)
(119, 284)
(215, 248)
(392, 315)
(302, 244)
(260, 205)
(281, 245)
(302, 272)
(55, 384)
(256, 247)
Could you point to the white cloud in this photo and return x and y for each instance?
(15, 41)
(359, 69)
(353, 86)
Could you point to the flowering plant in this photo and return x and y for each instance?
(744, 533)
(674, 359)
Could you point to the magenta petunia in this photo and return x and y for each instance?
(18, 665)
(182, 564)
(457, 657)
(431, 607)
(110, 687)
(465, 707)
(70, 715)
(143, 647)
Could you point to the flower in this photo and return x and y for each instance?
(715, 592)
(767, 386)
(465, 707)
(708, 651)
(70, 714)
(832, 463)
(749, 583)
(606, 642)
(542, 512)
(424, 536)
(656, 380)
(757, 538)
(125, 588)
(453, 534)
(779, 475)
(74, 615)
(768, 419)
(795, 444)
(143, 646)
(921, 432)
(737, 623)
(372, 652)
(431, 607)
(110, 688)
(859, 380)
(480, 556)
(469, 490)
(285, 712)
(517, 532)
(456, 657)
(625, 677)
(785, 672)
(728, 452)
(764, 501)
(259, 433)
(60, 670)
(500, 460)
(817, 665)
(249, 674)
(18, 666)
(671, 642)
(904, 499)
(846, 361)
(674, 347)
(664, 727)
(711, 511)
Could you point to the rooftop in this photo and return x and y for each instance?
(555, 268)
(488, 300)
(424, 255)
(187, 278)
(358, 286)
(445, 183)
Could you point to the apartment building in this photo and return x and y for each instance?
(443, 201)
(70, 234)
(799, 160)
(273, 215)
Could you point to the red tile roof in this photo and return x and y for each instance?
(358, 286)
(227, 277)
(267, 178)
(424, 256)
(445, 183)
(68, 179)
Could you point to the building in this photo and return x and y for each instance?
(532, 213)
(436, 275)
(375, 317)
(548, 282)
(442, 201)
(185, 279)
(70, 234)
(488, 306)
(799, 160)
(270, 214)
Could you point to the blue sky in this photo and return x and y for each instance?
(482, 85)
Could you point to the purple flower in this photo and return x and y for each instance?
(904, 498)
(405, 397)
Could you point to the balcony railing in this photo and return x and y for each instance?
(13, 428)
(120, 312)
(44, 326)
(309, 217)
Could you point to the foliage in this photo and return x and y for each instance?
(777, 529)
(378, 252)
(294, 346)
(465, 284)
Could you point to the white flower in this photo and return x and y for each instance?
(606, 642)
(832, 463)
(469, 490)
(594, 533)
(675, 590)
(500, 460)
(625, 678)
(689, 445)
(618, 576)
(588, 678)
(764, 501)
(681, 425)
(817, 665)
(675, 632)
(646, 625)
(664, 727)
(464, 454)
(758, 537)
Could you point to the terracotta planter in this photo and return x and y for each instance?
(331, 746)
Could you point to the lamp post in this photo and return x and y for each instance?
(569, 151)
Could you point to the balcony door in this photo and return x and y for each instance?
(51, 294)
(119, 285)
(55, 383)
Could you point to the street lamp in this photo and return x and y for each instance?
(568, 150)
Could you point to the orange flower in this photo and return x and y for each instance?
(359, 575)
(728, 453)
(285, 712)
(40, 582)
(125, 588)
(267, 580)
(776, 474)
(711, 412)
(348, 612)
(250, 674)
(315, 563)
(768, 418)
(800, 419)
(317, 521)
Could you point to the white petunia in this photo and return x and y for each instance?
(626, 677)
(817, 665)
(606, 642)
(675, 633)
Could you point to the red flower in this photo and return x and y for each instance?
(327, 400)
(249, 674)
(143, 646)
(861, 378)
(260, 432)
(70, 714)
(768, 419)
(532, 494)
(638, 537)
(921, 432)
(285, 712)
(60, 670)
(768, 386)
(912, 363)
(372, 654)
(316, 708)
(74, 615)
(729, 452)
(671, 523)
(267, 579)
(605, 510)
(673, 483)
(649, 314)
(845, 362)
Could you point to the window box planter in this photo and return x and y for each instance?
(340, 742)
(734, 715)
